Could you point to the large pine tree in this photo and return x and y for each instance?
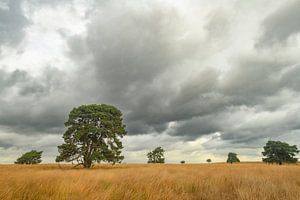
(93, 135)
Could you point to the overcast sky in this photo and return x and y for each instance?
(199, 78)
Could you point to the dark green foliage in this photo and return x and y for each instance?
(182, 162)
(232, 157)
(156, 156)
(279, 152)
(208, 160)
(93, 135)
(31, 157)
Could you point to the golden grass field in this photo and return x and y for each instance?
(242, 181)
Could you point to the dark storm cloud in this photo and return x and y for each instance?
(31, 105)
(134, 53)
(195, 127)
(192, 98)
(241, 108)
(131, 49)
(282, 24)
(12, 22)
(134, 56)
(134, 47)
(254, 77)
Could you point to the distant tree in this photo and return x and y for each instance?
(156, 156)
(208, 160)
(31, 157)
(280, 152)
(93, 135)
(182, 162)
(232, 157)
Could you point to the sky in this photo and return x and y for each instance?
(198, 78)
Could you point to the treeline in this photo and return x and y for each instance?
(93, 135)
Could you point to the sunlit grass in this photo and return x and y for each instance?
(203, 181)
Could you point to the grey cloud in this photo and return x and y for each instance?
(218, 24)
(242, 94)
(193, 98)
(196, 127)
(50, 80)
(37, 104)
(12, 23)
(28, 85)
(6, 144)
(253, 78)
(53, 3)
(121, 41)
(241, 126)
(251, 124)
(290, 78)
(26, 117)
(198, 96)
(281, 24)
(8, 80)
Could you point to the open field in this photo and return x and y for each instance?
(243, 181)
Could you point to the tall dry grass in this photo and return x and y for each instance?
(206, 181)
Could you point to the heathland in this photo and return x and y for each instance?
(243, 181)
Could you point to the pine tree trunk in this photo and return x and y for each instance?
(87, 163)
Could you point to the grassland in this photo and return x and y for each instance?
(204, 181)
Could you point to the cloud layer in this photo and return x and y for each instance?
(191, 77)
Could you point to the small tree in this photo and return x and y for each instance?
(279, 152)
(93, 135)
(31, 157)
(208, 160)
(156, 156)
(182, 162)
(232, 157)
